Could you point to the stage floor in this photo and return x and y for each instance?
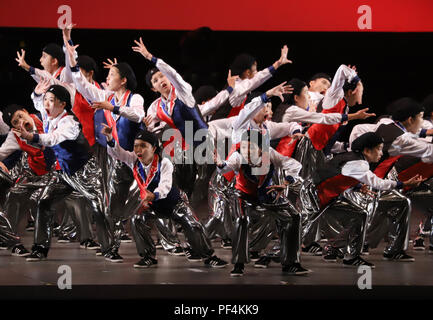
(174, 277)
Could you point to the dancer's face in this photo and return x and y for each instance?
(264, 114)
(413, 124)
(114, 81)
(53, 106)
(251, 152)
(251, 72)
(144, 151)
(160, 83)
(373, 155)
(49, 63)
(302, 100)
(320, 85)
(355, 96)
(22, 118)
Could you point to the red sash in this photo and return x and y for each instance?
(109, 117)
(383, 168)
(333, 187)
(230, 175)
(57, 74)
(142, 185)
(235, 110)
(320, 134)
(287, 146)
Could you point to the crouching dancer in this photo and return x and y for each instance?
(154, 176)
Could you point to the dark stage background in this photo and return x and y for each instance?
(391, 65)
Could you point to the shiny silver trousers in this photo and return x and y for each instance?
(87, 182)
(288, 224)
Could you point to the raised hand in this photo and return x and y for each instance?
(361, 114)
(107, 131)
(66, 31)
(42, 86)
(231, 81)
(109, 64)
(23, 133)
(21, 60)
(283, 58)
(141, 48)
(105, 105)
(279, 90)
(71, 51)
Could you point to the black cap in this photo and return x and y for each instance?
(126, 71)
(55, 51)
(148, 137)
(9, 112)
(204, 93)
(149, 76)
(62, 94)
(321, 75)
(241, 63)
(405, 108)
(368, 140)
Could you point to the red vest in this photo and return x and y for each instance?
(287, 146)
(333, 187)
(320, 134)
(235, 110)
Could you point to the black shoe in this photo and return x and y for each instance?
(365, 250)
(63, 239)
(226, 244)
(30, 226)
(295, 269)
(356, 262)
(313, 249)
(20, 251)
(113, 257)
(215, 262)
(430, 249)
(158, 244)
(98, 252)
(418, 244)
(238, 270)
(254, 255)
(399, 256)
(36, 255)
(263, 262)
(90, 244)
(176, 251)
(191, 256)
(332, 254)
(3, 246)
(125, 238)
(146, 262)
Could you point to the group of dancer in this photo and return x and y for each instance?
(96, 156)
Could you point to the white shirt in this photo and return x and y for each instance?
(295, 113)
(335, 92)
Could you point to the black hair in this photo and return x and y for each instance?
(126, 71)
(405, 108)
(321, 75)
(88, 64)
(204, 93)
(297, 85)
(351, 85)
(368, 140)
(242, 63)
(9, 112)
(253, 95)
(55, 51)
(149, 76)
(62, 94)
(427, 104)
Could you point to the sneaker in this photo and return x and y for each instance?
(158, 244)
(332, 254)
(98, 252)
(125, 238)
(430, 249)
(365, 250)
(146, 262)
(254, 256)
(356, 262)
(399, 256)
(263, 262)
(313, 249)
(226, 244)
(191, 256)
(63, 239)
(90, 244)
(3, 246)
(215, 262)
(176, 251)
(30, 226)
(36, 255)
(418, 244)
(20, 251)
(113, 257)
(238, 270)
(295, 269)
